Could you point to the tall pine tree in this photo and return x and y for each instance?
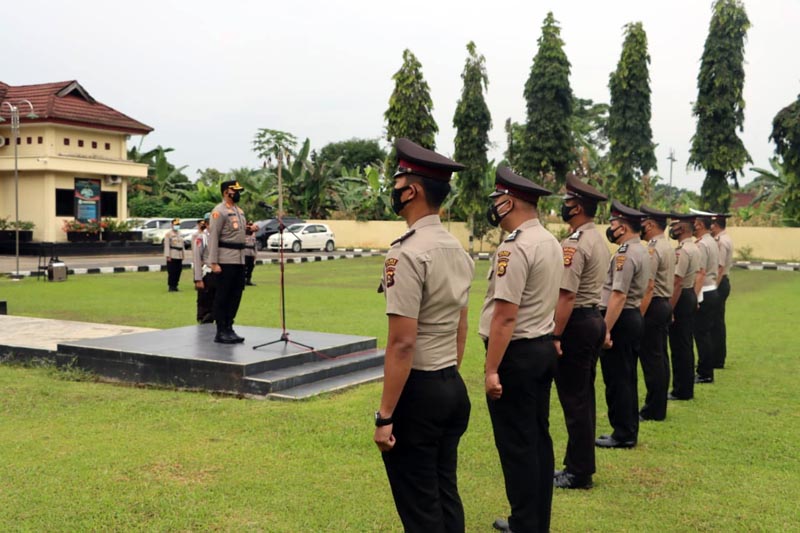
(632, 152)
(720, 105)
(548, 143)
(472, 121)
(410, 106)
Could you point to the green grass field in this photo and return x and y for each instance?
(78, 455)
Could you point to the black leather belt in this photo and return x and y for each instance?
(250, 246)
(449, 372)
(175, 248)
(232, 245)
(582, 312)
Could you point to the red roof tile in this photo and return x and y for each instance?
(67, 102)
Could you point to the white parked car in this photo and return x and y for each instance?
(304, 237)
(154, 229)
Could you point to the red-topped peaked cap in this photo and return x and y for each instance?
(507, 182)
(414, 159)
(578, 189)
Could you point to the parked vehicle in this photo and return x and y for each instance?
(269, 227)
(154, 229)
(299, 237)
(188, 228)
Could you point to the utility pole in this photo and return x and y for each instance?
(671, 159)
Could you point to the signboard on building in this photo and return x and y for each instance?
(87, 199)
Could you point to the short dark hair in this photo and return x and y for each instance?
(660, 222)
(435, 190)
(705, 221)
(589, 207)
(721, 222)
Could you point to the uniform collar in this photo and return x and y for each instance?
(586, 226)
(530, 223)
(687, 239)
(428, 220)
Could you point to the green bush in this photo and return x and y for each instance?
(188, 209)
(145, 207)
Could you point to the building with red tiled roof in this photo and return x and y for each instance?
(69, 140)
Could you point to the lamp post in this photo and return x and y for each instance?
(14, 109)
(671, 159)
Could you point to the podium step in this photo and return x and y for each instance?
(344, 381)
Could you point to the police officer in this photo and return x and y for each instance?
(620, 300)
(173, 252)
(226, 240)
(424, 407)
(580, 326)
(718, 224)
(516, 326)
(684, 307)
(204, 279)
(657, 313)
(249, 252)
(707, 299)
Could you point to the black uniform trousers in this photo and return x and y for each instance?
(174, 267)
(681, 345)
(205, 299)
(249, 265)
(520, 420)
(618, 364)
(720, 331)
(575, 374)
(654, 359)
(429, 419)
(707, 345)
(230, 284)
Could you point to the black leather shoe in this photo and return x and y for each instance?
(173, 289)
(671, 396)
(607, 441)
(250, 284)
(703, 379)
(567, 480)
(223, 337)
(502, 525)
(236, 338)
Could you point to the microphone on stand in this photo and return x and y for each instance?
(265, 205)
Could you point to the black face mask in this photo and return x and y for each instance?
(397, 204)
(610, 234)
(493, 216)
(565, 212)
(675, 234)
(236, 197)
(642, 233)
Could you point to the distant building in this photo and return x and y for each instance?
(75, 141)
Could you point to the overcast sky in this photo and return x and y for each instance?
(206, 75)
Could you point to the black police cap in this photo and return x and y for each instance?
(650, 212)
(507, 182)
(230, 184)
(414, 159)
(622, 211)
(578, 189)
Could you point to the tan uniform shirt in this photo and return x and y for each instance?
(426, 276)
(687, 262)
(709, 259)
(227, 226)
(628, 273)
(250, 245)
(725, 252)
(526, 271)
(662, 266)
(173, 245)
(586, 258)
(200, 265)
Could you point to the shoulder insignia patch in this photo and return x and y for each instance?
(390, 266)
(622, 249)
(403, 237)
(568, 253)
(215, 214)
(576, 236)
(620, 261)
(503, 257)
(651, 249)
(513, 235)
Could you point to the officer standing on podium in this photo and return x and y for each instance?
(657, 314)
(424, 407)
(582, 330)
(226, 241)
(623, 290)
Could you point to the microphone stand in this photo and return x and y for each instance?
(284, 338)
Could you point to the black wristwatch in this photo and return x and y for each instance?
(380, 421)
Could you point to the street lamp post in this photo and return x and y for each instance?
(14, 109)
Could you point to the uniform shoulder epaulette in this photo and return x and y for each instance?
(679, 246)
(576, 236)
(652, 242)
(513, 235)
(624, 248)
(403, 237)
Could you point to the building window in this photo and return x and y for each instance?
(40, 140)
(19, 140)
(108, 146)
(66, 141)
(80, 143)
(65, 206)
(94, 144)
(30, 140)
(108, 204)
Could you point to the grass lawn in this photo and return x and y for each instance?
(77, 455)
